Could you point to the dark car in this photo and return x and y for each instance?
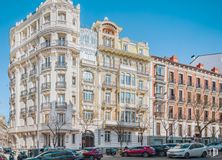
(144, 151)
(171, 145)
(55, 155)
(92, 153)
(22, 155)
(111, 151)
(161, 150)
(7, 150)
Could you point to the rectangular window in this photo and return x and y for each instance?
(189, 130)
(61, 117)
(73, 80)
(159, 70)
(107, 136)
(189, 94)
(180, 78)
(73, 138)
(88, 96)
(198, 83)
(190, 81)
(108, 98)
(88, 115)
(189, 114)
(108, 116)
(108, 79)
(180, 95)
(158, 129)
(206, 84)
(180, 130)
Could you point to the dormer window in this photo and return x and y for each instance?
(62, 17)
(141, 51)
(125, 47)
(47, 18)
(108, 31)
(108, 42)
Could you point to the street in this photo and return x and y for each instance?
(157, 158)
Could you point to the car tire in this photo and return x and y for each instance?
(162, 154)
(91, 158)
(125, 154)
(145, 155)
(204, 154)
(187, 155)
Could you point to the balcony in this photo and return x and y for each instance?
(46, 86)
(198, 88)
(110, 123)
(23, 111)
(142, 107)
(12, 113)
(61, 43)
(61, 65)
(190, 86)
(143, 73)
(61, 22)
(181, 101)
(142, 89)
(61, 85)
(24, 94)
(214, 90)
(159, 96)
(46, 106)
(206, 89)
(109, 104)
(172, 98)
(108, 85)
(12, 98)
(181, 84)
(61, 105)
(32, 91)
(32, 110)
(12, 81)
(24, 76)
(159, 114)
(46, 67)
(32, 73)
(46, 44)
(159, 77)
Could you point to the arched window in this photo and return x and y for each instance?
(88, 76)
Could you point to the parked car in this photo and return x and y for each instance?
(2, 157)
(1, 149)
(170, 145)
(92, 153)
(55, 155)
(144, 151)
(188, 150)
(77, 153)
(22, 155)
(111, 151)
(161, 150)
(7, 150)
(215, 145)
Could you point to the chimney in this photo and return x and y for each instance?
(200, 65)
(174, 58)
(215, 70)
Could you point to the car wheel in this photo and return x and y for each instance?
(162, 154)
(204, 154)
(187, 155)
(125, 154)
(145, 154)
(91, 158)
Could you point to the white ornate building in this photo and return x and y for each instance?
(56, 68)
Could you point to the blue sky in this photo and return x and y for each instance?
(180, 27)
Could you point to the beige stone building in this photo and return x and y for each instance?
(4, 136)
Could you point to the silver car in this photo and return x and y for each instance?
(188, 150)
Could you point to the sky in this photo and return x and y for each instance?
(171, 27)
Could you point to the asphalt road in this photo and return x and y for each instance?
(156, 158)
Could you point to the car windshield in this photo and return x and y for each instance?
(182, 146)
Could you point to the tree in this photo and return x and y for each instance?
(200, 115)
(169, 125)
(55, 125)
(144, 125)
(85, 122)
(119, 129)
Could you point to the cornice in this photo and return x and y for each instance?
(125, 54)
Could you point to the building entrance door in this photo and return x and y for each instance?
(88, 139)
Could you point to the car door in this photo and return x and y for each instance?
(140, 151)
(192, 150)
(132, 151)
